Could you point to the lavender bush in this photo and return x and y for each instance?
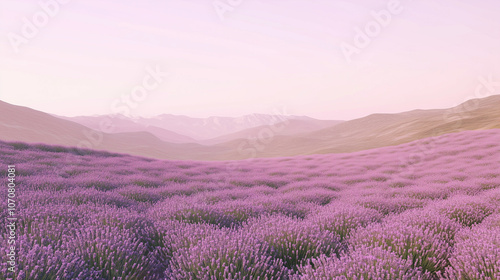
(362, 263)
(477, 252)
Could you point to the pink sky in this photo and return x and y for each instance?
(264, 55)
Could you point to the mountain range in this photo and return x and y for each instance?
(226, 138)
(183, 129)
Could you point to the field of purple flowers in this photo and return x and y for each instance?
(424, 210)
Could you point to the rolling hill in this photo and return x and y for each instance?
(19, 123)
(124, 124)
(212, 130)
(297, 136)
(379, 130)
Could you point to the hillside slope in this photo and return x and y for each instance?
(293, 138)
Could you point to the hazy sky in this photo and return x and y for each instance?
(91, 57)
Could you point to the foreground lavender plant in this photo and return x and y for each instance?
(232, 255)
(477, 252)
(362, 263)
(422, 247)
(292, 240)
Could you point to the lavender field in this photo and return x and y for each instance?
(424, 210)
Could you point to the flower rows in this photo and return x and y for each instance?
(365, 215)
